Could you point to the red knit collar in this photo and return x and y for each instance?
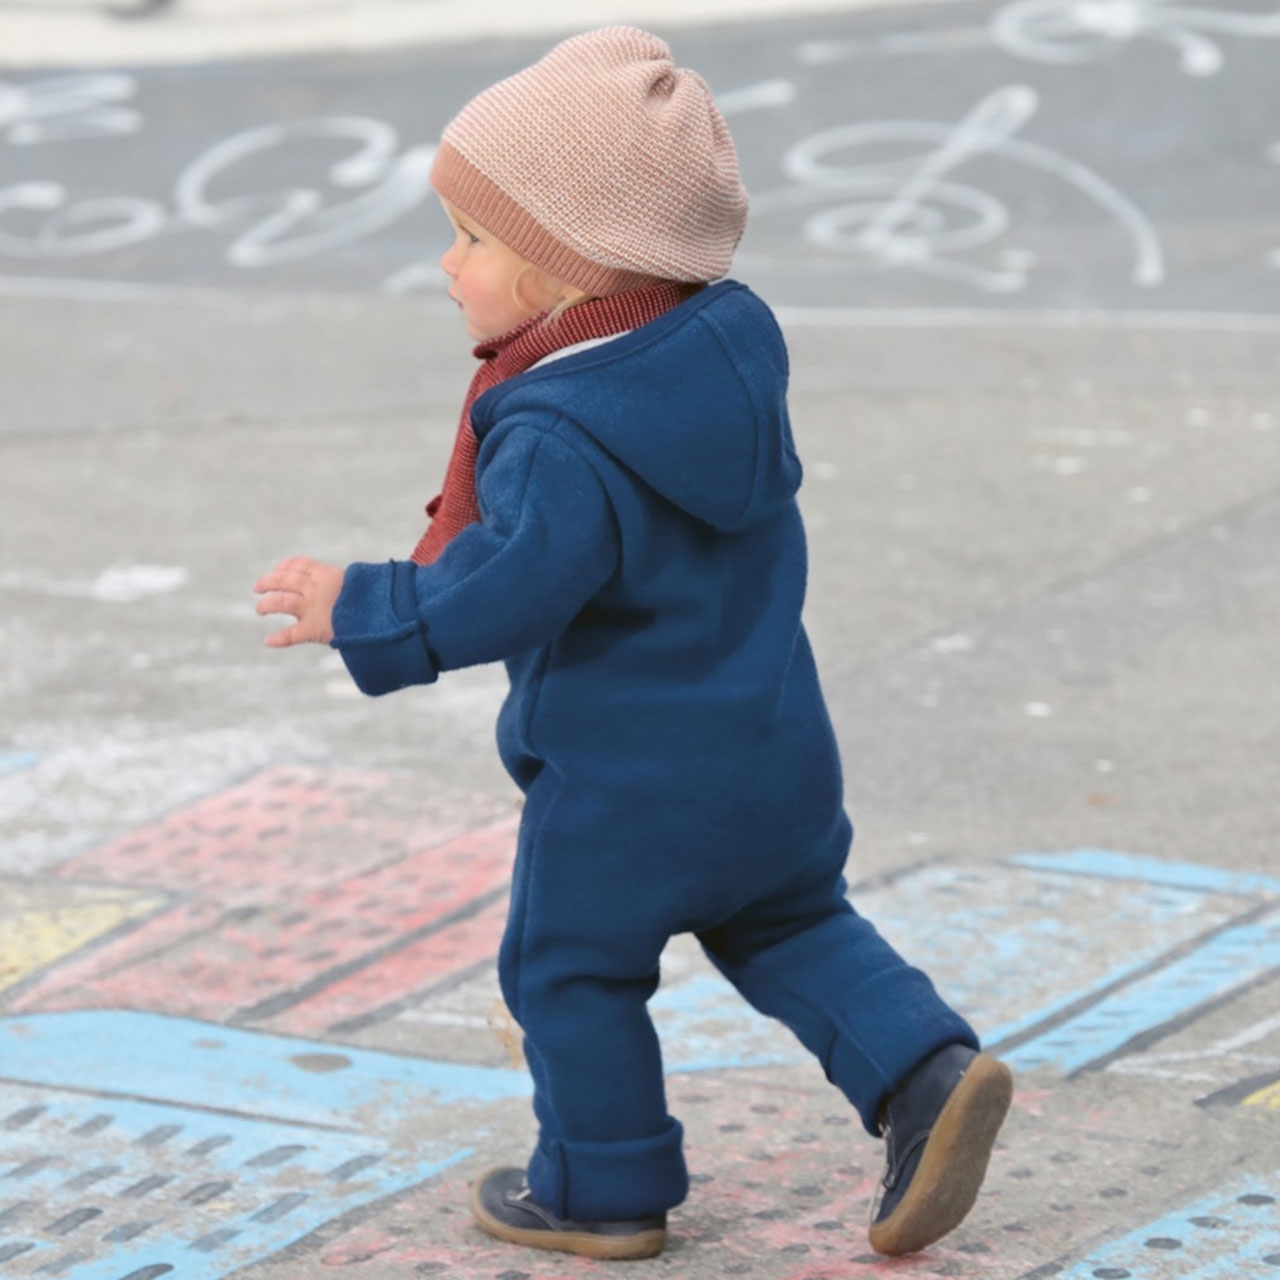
(548, 332)
(515, 352)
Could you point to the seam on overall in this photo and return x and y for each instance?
(561, 430)
(721, 339)
(535, 840)
(568, 432)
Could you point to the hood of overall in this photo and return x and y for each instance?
(693, 403)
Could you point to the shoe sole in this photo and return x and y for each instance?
(953, 1163)
(586, 1244)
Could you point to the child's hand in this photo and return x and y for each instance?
(306, 589)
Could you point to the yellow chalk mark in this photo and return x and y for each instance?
(41, 923)
(1268, 1097)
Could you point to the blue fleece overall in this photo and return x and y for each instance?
(640, 567)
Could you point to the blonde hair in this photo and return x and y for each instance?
(565, 303)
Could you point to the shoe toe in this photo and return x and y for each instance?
(503, 1206)
(493, 1192)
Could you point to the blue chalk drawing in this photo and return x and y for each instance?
(13, 761)
(705, 1026)
(1059, 959)
(1232, 1234)
(1103, 864)
(134, 1143)
(1224, 964)
(222, 1068)
(148, 1185)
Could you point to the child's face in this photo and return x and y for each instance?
(495, 288)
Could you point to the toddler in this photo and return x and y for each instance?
(618, 524)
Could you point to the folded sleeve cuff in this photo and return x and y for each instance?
(378, 631)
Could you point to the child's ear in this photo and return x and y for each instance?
(530, 289)
(535, 290)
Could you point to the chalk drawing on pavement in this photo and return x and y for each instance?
(817, 53)
(758, 1206)
(909, 212)
(765, 96)
(376, 182)
(1248, 1057)
(74, 230)
(317, 902)
(1265, 1096)
(298, 222)
(42, 921)
(117, 584)
(1228, 1234)
(63, 108)
(1235, 943)
(195, 1150)
(1069, 32)
(1260, 1092)
(301, 897)
(920, 199)
(203, 1040)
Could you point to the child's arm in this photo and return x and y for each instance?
(306, 589)
(505, 586)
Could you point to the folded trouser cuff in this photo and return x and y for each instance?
(900, 1020)
(610, 1181)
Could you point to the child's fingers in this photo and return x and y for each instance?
(301, 588)
(288, 636)
(280, 580)
(288, 575)
(279, 602)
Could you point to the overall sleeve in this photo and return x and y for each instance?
(547, 542)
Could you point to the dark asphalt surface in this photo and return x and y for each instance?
(1036, 155)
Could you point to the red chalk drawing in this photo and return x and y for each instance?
(70, 983)
(306, 897)
(249, 969)
(415, 967)
(251, 842)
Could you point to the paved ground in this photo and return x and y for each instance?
(1026, 258)
(43, 33)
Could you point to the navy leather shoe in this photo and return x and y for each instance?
(940, 1126)
(504, 1206)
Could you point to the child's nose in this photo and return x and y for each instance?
(446, 262)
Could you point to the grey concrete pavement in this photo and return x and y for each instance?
(166, 32)
(248, 919)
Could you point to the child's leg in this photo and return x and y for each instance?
(578, 964)
(805, 957)
(883, 1034)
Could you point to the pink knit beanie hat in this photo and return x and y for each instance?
(604, 164)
